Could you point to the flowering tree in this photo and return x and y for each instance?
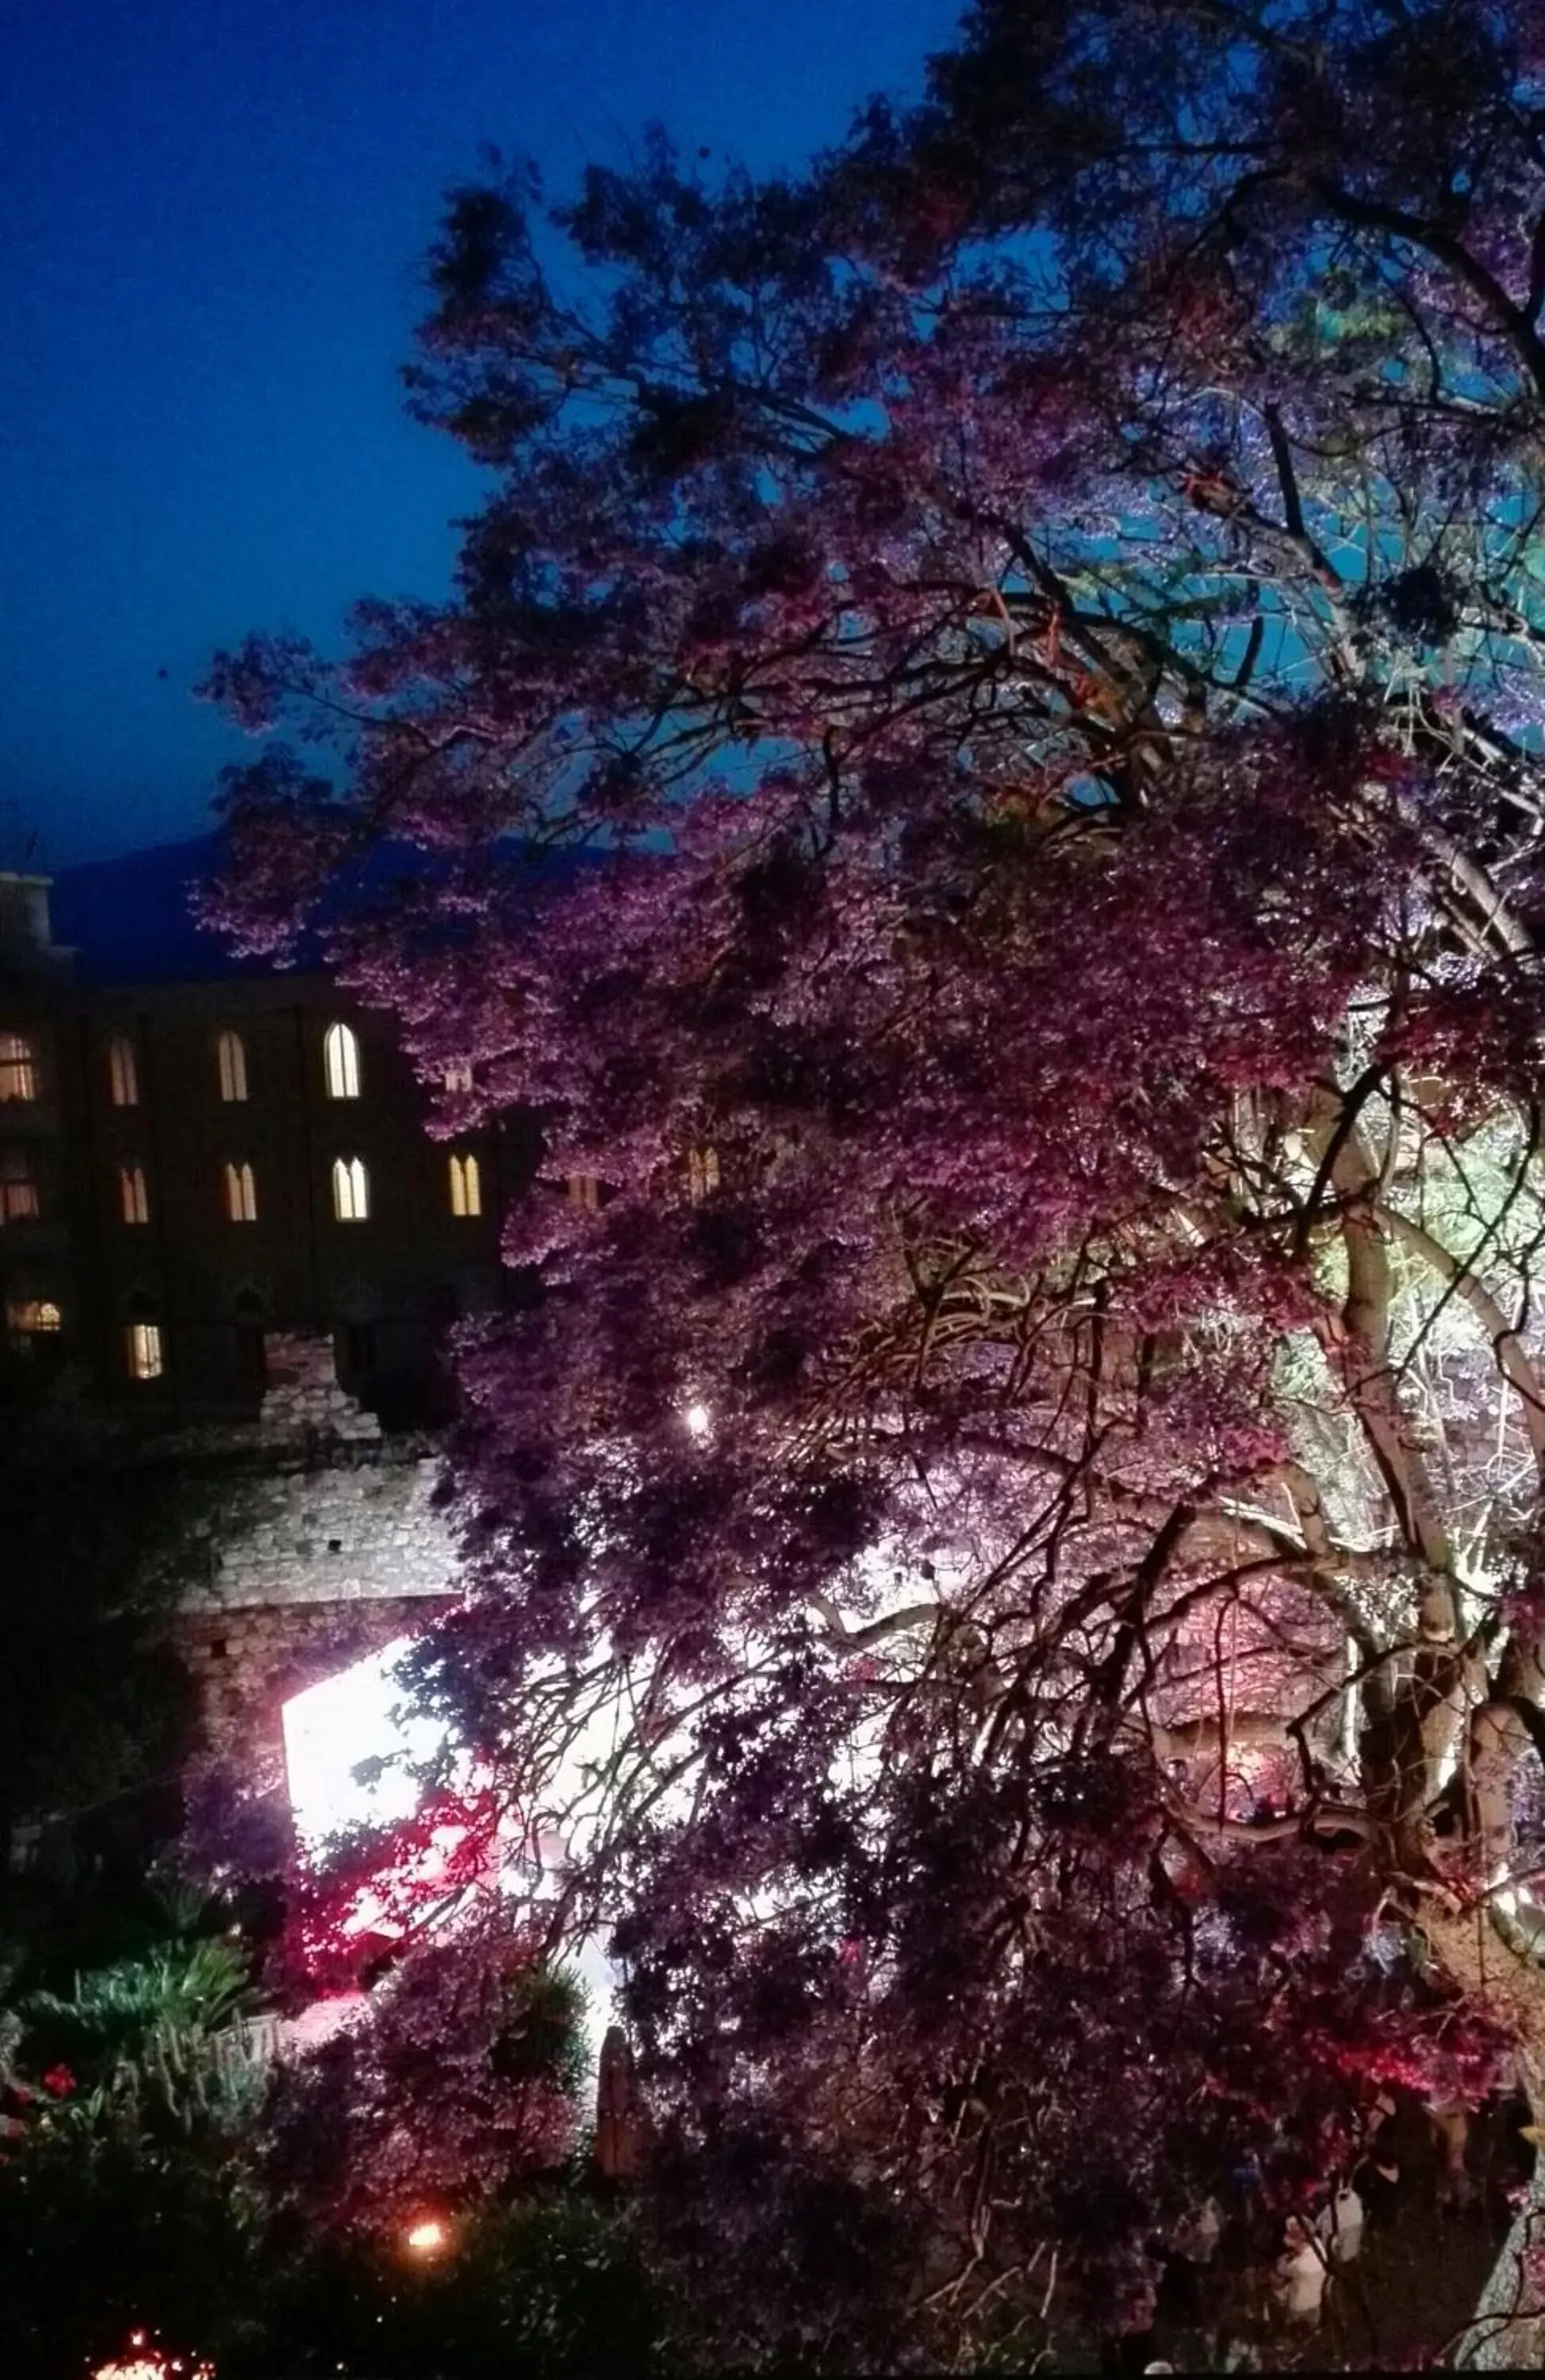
(464, 2079)
(983, 774)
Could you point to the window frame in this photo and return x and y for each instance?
(702, 1172)
(134, 1194)
(239, 1190)
(230, 1061)
(123, 1070)
(144, 1349)
(33, 1317)
(351, 1190)
(466, 1185)
(21, 1191)
(342, 1072)
(19, 1070)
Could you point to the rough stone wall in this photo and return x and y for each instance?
(247, 1663)
(324, 1544)
(329, 1531)
(303, 1398)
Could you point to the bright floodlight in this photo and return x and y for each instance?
(352, 1724)
(427, 2237)
(699, 1420)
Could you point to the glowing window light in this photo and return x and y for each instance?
(18, 1187)
(341, 1062)
(241, 1194)
(351, 1190)
(123, 1072)
(134, 1197)
(143, 1349)
(703, 1174)
(466, 1185)
(29, 1314)
(19, 1070)
(230, 1053)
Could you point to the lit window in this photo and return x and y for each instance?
(341, 1062)
(351, 1190)
(123, 1072)
(458, 1078)
(18, 1067)
(467, 1186)
(142, 1342)
(18, 1186)
(702, 1173)
(29, 1314)
(241, 1195)
(134, 1204)
(230, 1053)
(583, 1189)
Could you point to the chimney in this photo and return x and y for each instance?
(28, 950)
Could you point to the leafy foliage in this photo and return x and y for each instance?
(461, 2083)
(996, 695)
(152, 2045)
(142, 2142)
(556, 2284)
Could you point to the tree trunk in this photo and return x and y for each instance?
(1508, 2329)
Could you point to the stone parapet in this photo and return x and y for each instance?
(325, 1534)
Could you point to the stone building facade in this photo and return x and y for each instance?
(192, 1162)
(324, 1542)
(224, 1217)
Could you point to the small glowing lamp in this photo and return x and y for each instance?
(427, 2237)
(698, 1419)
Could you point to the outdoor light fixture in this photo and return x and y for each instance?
(698, 1419)
(351, 1747)
(427, 2237)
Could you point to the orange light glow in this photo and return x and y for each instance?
(427, 2237)
(143, 2363)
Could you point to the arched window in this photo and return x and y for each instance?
(467, 1186)
(26, 1315)
(583, 1189)
(123, 1072)
(241, 1195)
(341, 1062)
(458, 1077)
(18, 1186)
(142, 1346)
(230, 1053)
(134, 1197)
(18, 1067)
(351, 1190)
(702, 1173)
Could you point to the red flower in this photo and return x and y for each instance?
(59, 2080)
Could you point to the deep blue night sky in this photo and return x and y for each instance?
(213, 214)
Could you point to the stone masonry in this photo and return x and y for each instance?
(324, 1546)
